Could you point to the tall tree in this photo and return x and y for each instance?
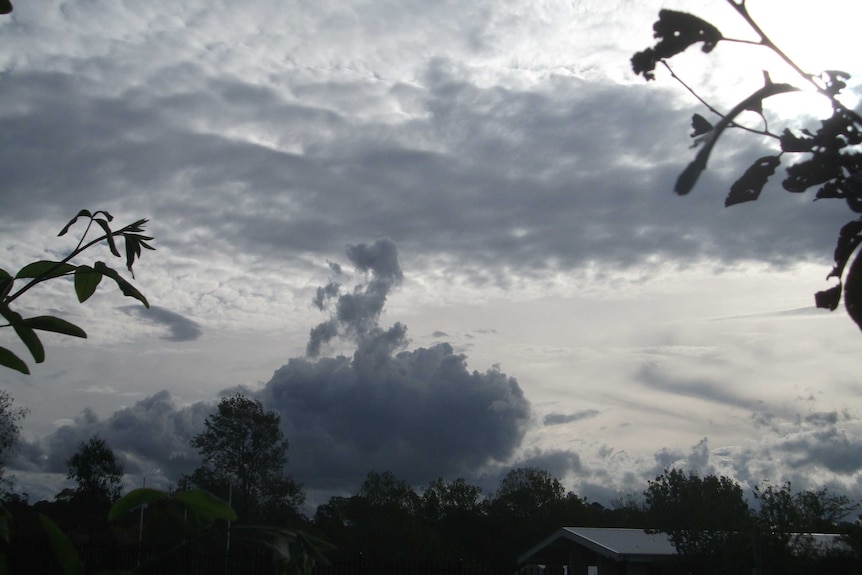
(528, 505)
(528, 492)
(244, 453)
(10, 427)
(95, 469)
(706, 518)
(451, 501)
(785, 521)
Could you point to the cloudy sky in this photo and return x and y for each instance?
(438, 237)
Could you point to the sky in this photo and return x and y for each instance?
(438, 238)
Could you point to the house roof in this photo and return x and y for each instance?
(617, 544)
(629, 544)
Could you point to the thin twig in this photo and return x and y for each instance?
(764, 132)
(810, 78)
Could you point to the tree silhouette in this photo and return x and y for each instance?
(10, 427)
(95, 469)
(244, 453)
(706, 518)
(785, 521)
(827, 159)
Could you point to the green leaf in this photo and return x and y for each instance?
(31, 340)
(12, 361)
(133, 249)
(63, 549)
(206, 505)
(45, 268)
(81, 214)
(127, 288)
(56, 325)
(134, 499)
(86, 281)
(6, 282)
(109, 235)
(25, 333)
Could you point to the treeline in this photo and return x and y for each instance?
(387, 521)
(448, 522)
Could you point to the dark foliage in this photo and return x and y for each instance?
(829, 158)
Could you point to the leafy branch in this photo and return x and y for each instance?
(293, 552)
(86, 279)
(832, 159)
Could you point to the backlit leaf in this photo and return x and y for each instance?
(853, 291)
(134, 499)
(676, 31)
(46, 269)
(25, 333)
(852, 187)
(748, 187)
(834, 80)
(6, 283)
(86, 281)
(81, 214)
(63, 549)
(12, 361)
(206, 505)
(828, 299)
(109, 235)
(56, 325)
(700, 125)
(31, 340)
(127, 288)
(686, 181)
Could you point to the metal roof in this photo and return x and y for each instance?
(631, 544)
(618, 544)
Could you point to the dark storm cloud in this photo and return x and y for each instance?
(555, 177)
(827, 447)
(180, 328)
(150, 436)
(356, 314)
(419, 413)
(561, 418)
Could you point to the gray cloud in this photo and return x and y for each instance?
(420, 413)
(150, 438)
(562, 418)
(180, 327)
(356, 314)
(710, 391)
(275, 141)
(570, 194)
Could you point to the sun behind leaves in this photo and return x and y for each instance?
(828, 159)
